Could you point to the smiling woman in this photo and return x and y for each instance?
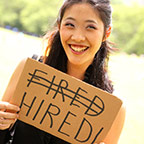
(81, 41)
(78, 47)
(81, 37)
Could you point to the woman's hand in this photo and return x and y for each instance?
(8, 114)
(100, 143)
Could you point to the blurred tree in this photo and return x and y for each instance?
(39, 15)
(136, 44)
(128, 26)
(32, 16)
(10, 12)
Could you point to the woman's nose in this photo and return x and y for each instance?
(78, 36)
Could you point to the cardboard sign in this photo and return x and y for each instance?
(62, 105)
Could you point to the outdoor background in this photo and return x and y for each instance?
(23, 23)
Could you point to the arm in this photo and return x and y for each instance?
(115, 131)
(13, 82)
(8, 112)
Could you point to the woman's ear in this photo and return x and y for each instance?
(108, 32)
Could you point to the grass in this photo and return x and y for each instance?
(126, 72)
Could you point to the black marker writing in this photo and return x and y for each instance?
(90, 132)
(59, 130)
(38, 109)
(100, 131)
(61, 88)
(48, 111)
(94, 107)
(29, 106)
(76, 96)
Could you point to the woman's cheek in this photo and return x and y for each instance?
(65, 35)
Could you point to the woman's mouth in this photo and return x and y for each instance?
(78, 48)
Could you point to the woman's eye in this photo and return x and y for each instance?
(69, 25)
(91, 27)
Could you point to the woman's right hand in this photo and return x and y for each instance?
(8, 114)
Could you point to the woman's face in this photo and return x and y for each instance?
(81, 32)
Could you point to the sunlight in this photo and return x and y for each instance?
(131, 2)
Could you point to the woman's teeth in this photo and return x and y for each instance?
(78, 49)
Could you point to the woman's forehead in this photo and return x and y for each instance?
(82, 11)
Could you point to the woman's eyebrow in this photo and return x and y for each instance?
(89, 20)
(70, 18)
(92, 21)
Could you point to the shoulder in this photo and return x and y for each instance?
(13, 81)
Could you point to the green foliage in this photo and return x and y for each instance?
(33, 16)
(10, 12)
(128, 27)
(39, 15)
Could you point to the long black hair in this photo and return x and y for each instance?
(97, 72)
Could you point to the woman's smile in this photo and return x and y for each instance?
(78, 49)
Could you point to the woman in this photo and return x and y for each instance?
(79, 48)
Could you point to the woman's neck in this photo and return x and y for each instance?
(76, 71)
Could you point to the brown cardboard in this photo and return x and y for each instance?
(62, 105)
